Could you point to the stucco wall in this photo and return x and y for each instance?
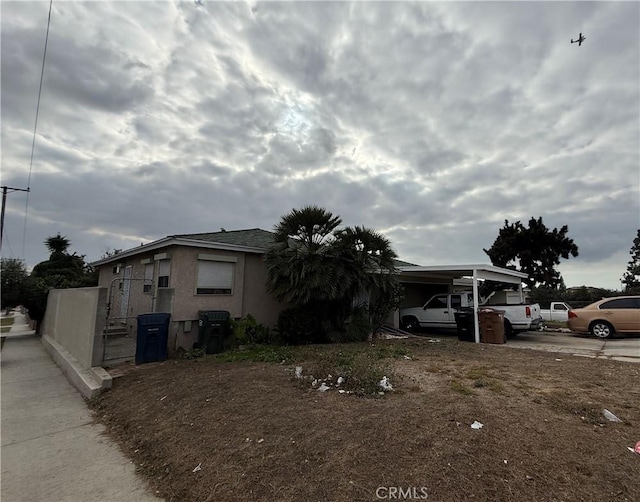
(139, 302)
(183, 332)
(257, 301)
(184, 273)
(75, 319)
(248, 295)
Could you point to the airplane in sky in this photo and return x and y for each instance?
(579, 41)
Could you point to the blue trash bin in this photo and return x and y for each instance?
(152, 337)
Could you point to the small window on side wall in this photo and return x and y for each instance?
(215, 278)
(148, 278)
(163, 273)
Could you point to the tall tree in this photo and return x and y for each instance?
(13, 275)
(57, 244)
(300, 266)
(631, 278)
(62, 270)
(534, 250)
(321, 270)
(370, 261)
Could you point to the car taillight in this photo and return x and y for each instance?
(528, 311)
(572, 314)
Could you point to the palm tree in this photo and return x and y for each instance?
(371, 274)
(312, 227)
(369, 251)
(57, 245)
(319, 268)
(300, 266)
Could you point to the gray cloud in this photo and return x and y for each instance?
(433, 122)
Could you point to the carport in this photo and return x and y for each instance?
(444, 276)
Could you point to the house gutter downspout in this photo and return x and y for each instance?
(476, 326)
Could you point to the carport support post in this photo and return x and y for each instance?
(476, 326)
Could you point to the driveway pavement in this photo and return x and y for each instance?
(51, 447)
(619, 349)
(625, 348)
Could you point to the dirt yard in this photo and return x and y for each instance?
(213, 430)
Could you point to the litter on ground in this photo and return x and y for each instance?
(197, 467)
(298, 371)
(477, 425)
(610, 416)
(324, 387)
(385, 384)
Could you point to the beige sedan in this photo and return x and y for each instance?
(607, 317)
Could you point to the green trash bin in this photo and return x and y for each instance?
(213, 327)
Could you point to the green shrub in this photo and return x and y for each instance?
(195, 353)
(300, 325)
(248, 330)
(357, 327)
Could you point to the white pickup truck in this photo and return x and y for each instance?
(439, 312)
(557, 311)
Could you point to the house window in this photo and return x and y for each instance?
(215, 277)
(163, 273)
(148, 278)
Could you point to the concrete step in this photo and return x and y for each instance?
(116, 331)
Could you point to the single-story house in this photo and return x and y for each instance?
(184, 274)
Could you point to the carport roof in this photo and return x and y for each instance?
(448, 272)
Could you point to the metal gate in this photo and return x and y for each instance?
(127, 298)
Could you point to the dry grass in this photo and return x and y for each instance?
(7, 321)
(259, 435)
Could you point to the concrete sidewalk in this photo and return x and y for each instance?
(51, 448)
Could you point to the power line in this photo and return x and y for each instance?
(11, 253)
(35, 127)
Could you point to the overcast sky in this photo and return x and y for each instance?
(430, 122)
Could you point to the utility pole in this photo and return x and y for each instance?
(4, 203)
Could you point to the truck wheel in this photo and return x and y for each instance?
(508, 329)
(410, 324)
(601, 329)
